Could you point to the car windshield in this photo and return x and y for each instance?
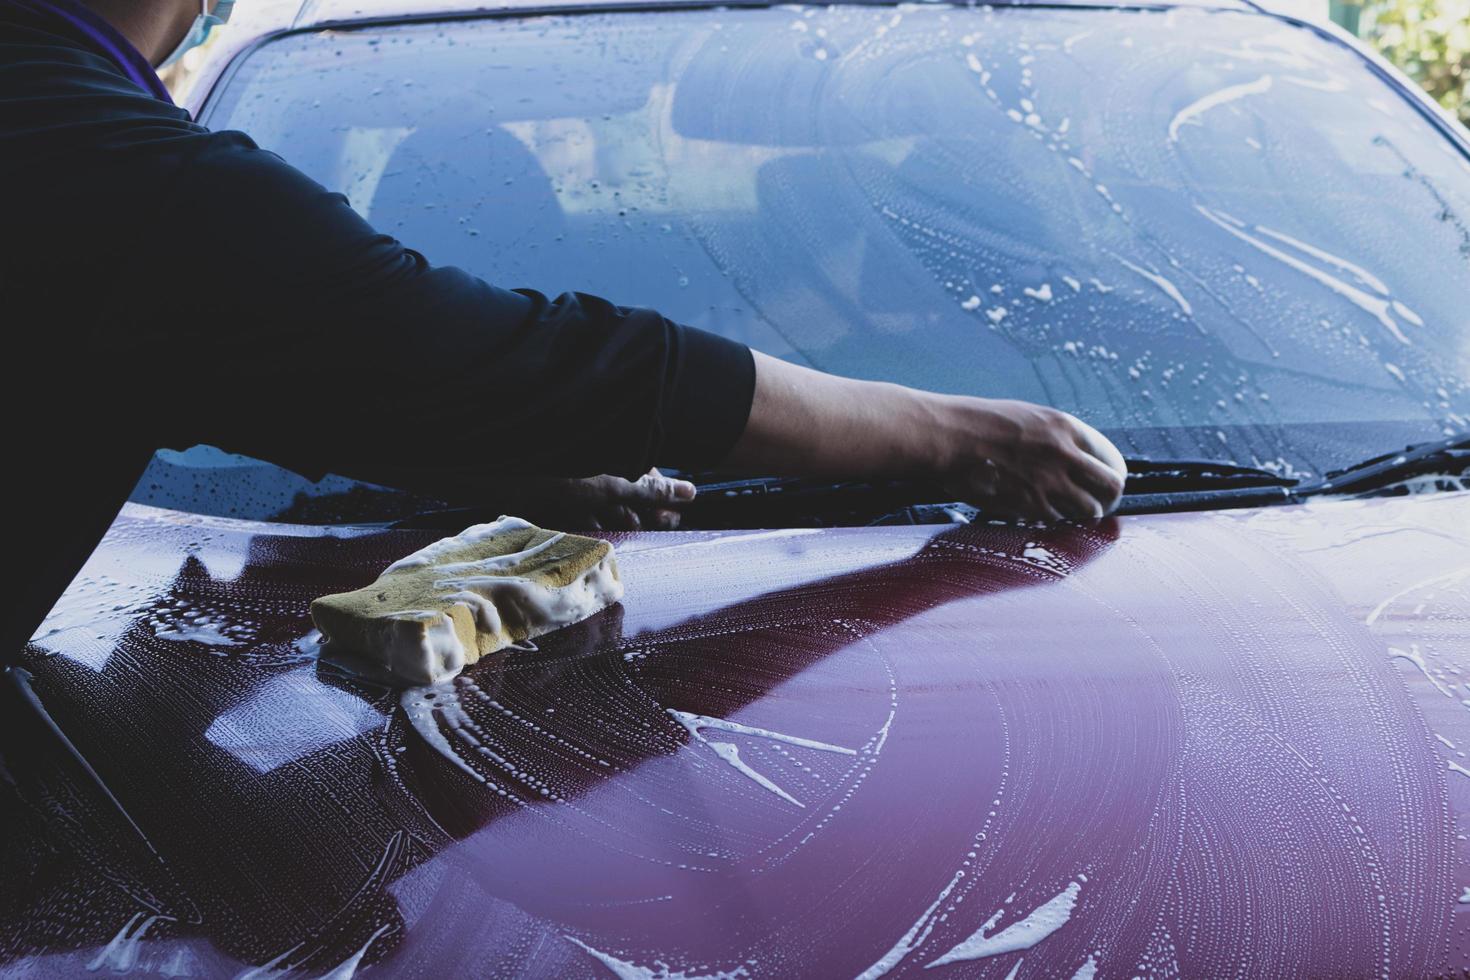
(1211, 234)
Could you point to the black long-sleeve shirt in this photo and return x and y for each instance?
(164, 285)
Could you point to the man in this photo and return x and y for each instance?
(166, 285)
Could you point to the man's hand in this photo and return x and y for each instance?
(1016, 458)
(1007, 457)
(599, 503)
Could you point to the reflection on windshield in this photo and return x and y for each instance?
(1211, 234)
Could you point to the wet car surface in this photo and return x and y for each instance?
(1189, 744)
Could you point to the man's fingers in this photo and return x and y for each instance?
(1099, 446)
(677, 489)
(1078, 505)
(1099, 480)
(655, 488)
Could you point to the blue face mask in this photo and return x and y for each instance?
(199, 30)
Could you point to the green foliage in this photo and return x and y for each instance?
(1430, 41)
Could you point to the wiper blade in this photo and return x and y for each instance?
(1144, 476)
(1153, 486)
(1152, 476)
(803, 501)
(1224, 499)
(1156, 486)
(1449, 455)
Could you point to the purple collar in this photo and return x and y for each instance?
(106, 39)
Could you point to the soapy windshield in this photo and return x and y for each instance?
(1210, 234)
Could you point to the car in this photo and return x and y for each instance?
(847, 729)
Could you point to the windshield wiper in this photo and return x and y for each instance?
(1439, 456)
(772, 501)
(1153, 486)
(1175, 475)
(1158, 485)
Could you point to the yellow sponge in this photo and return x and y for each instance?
(452, 602)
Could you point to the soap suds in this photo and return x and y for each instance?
(1042, 922)
(1379, 308)
(694, 723)
(731, 754)
(198, 634)
(1357, 272)
(429, 554)
(911, 940)
(1165, 286)
(1413, 656)
(727, 751)
(121, 952)
(419, 704)
(1087, 970)
(1231, 93)
(625, 970)
(347, 969)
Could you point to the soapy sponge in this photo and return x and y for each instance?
(451, 603)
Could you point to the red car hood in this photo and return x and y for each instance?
(1195, 744)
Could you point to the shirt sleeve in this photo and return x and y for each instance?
(309, 339)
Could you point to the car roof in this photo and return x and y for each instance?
(277, 15)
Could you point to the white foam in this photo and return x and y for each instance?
(1042, 922)
(1199, 107)
(1379, 308)
(418, 645)
(1168, 288)
(1408, 314)
(121, 952)
(1413, 656)
(495, 562)
(198, 634)
(624, 970)
(911, 940)
(347, 969)
(1452, 578)
(419, 706)
(731, 754)
(694, 723)
(538, 608)
(428, 554)
(1356, 271)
